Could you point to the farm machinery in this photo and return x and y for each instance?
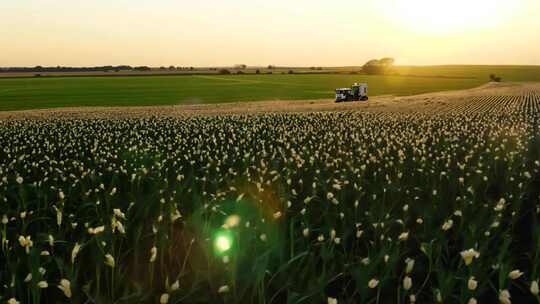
(358, 92)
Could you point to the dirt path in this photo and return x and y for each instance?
(432, 102)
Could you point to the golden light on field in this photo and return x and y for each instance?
(436, 16)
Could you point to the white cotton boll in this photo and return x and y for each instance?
(472, 284)
(534, 287)
(468, 256)
(223, 289)
(407, 283)
(175, 286)
(153, 254)
(410, 265)
(332, 300)
(504, 297)
(164, 299)
(515, 274)
(109, 260)
(13, 301)
(404, 236)
(373, 283)
(65, 287)
(447, 225)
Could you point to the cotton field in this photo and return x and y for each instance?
(334, 207)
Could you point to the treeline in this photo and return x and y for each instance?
(383, 66)
(106, 68)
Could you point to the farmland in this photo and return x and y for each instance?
(508, 72)
(31, 93)
(56, 92)
(429, 201)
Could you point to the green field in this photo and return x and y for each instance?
(35, 93)
(481, 72)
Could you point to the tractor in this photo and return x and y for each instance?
(358, 92)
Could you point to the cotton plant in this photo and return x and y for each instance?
(389, 205)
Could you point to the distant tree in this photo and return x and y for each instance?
(142, 68)
(224, 72)
(257, 71)
(387, 61)
(271, 67)
(291, 72)
(172, 67)
(191, 68)
(495, 78)
(240, 66)
(379, 66)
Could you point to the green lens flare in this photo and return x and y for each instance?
(223, 242)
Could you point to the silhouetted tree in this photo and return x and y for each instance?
(494, 78)
(378, 66)
(142, 68)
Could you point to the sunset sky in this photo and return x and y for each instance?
(256, 32)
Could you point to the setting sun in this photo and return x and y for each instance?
(428, 16)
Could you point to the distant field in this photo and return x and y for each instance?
(34, 93)
(481, 72)
(30, 93)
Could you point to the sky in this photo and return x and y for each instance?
(279, 32)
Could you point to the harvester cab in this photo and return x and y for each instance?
(358, 92)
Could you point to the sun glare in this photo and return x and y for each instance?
(437, 16)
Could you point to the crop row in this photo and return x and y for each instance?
(303, 208)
